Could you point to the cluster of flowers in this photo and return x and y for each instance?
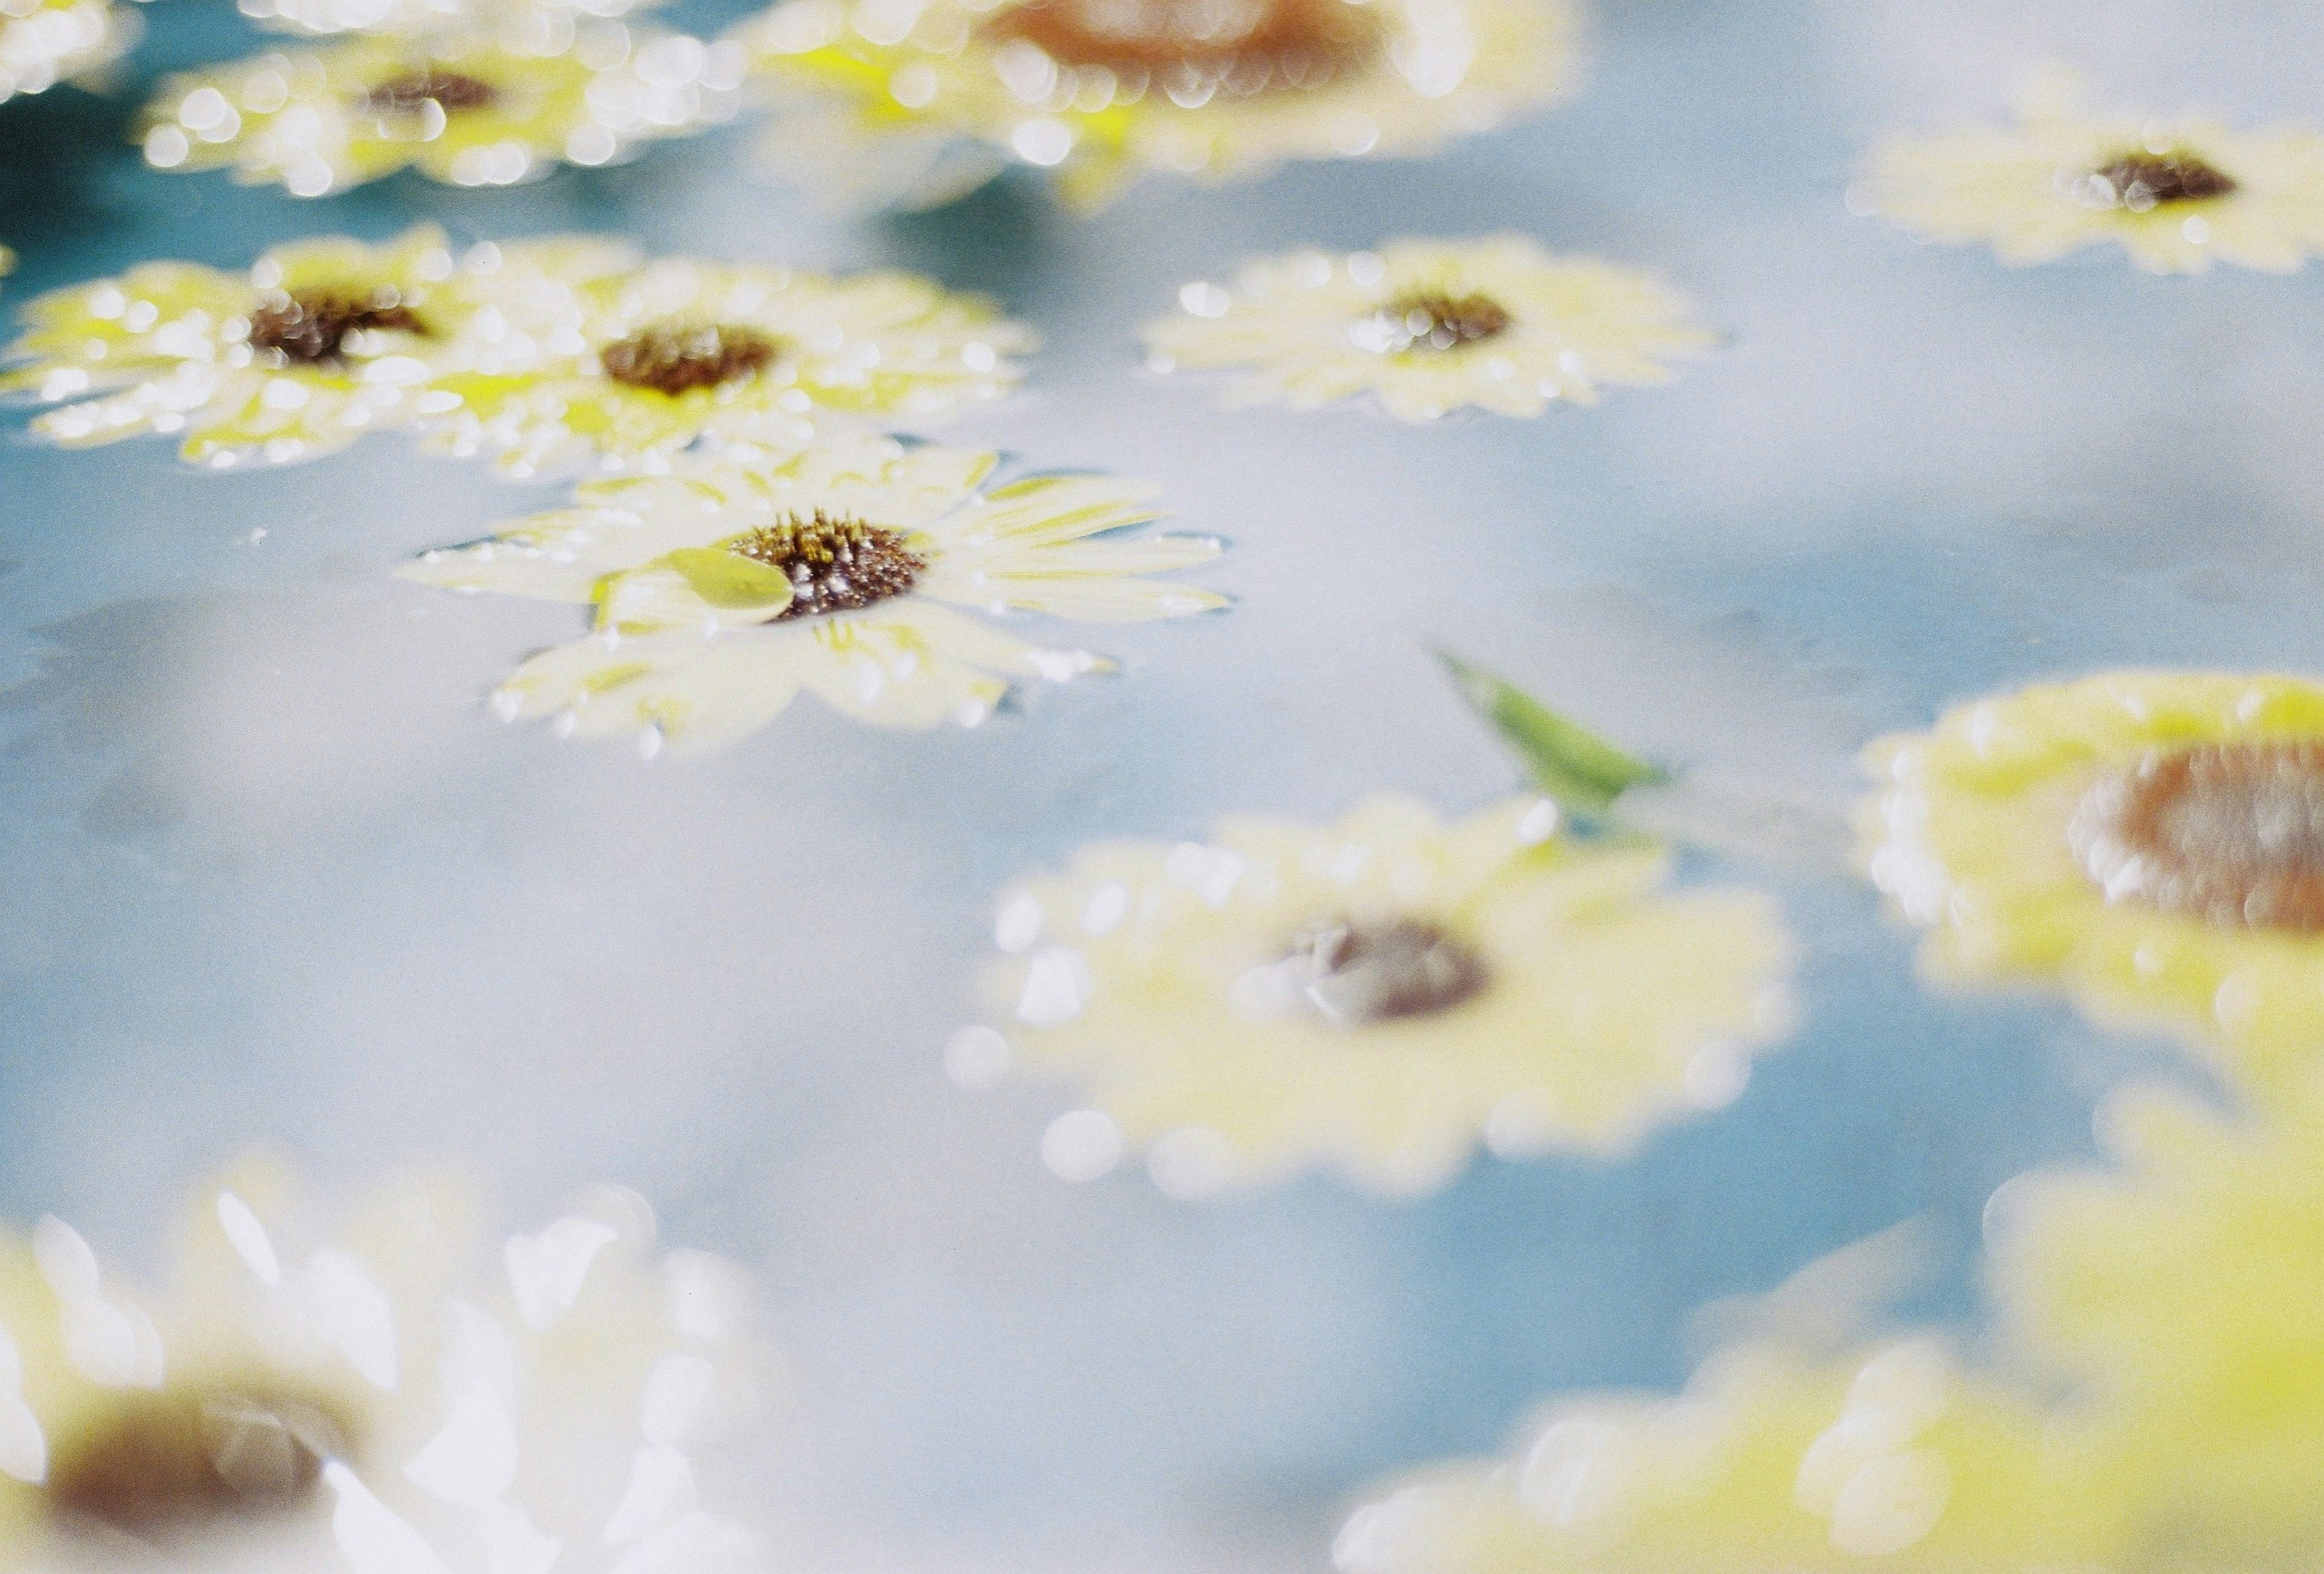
(382, 1396)
(2153, 841)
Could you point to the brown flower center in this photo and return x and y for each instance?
(2143, 180)
(1199, 47)
(674, 359)
(447, 91)
(310, 330)
(160, 1466)
(1433, 320)
(2233, 832)
(835, 565)
(1356, 973)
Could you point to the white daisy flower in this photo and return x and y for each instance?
(1428, 326)
(1101, 90)
(850, 569)
(681, 349)
(375, 1399)
(43, 42)
(1381, 994)
(2174, 194)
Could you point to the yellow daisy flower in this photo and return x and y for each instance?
(318, 344)
(2153, 841)
(848, 569)
(2174, 194)
(43, 42)
(1378, 994)
(679, 349)
(1101, 91)
(383, 1399)
(460, 108)
(1776, 1460)
(2176, 1290)
(1428, 326)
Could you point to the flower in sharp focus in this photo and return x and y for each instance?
(1428, 326)
(43, 42)
(318, 344)
(1379, 994)
(1103, 89)
(2174, 194)
(2153, 843)
(681, 348)
(850, 569)
(462, 108)
(379, 1397)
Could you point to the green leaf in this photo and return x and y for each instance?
(1583, 772)
(730, 580)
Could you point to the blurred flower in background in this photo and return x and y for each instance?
(914, 100)
(320, 342)
(43, 42)
(381, 1395)
(1428, 328)
(848, 569)
(2174, 194)
(677, 349)
(2151, 841)
(1379, 994)
(491, 102)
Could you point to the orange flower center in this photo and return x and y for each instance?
(673, 359)
(160, 1466)
(835, 565)
(312, 328)
(447, 91)
(2143, 180)
(1358, 973)
(1199, 47)
(1432, 320)
(2233, 832)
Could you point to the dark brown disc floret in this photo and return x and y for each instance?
(2143, 181)
(1199, 47)
(168, 1465)
(1434, 320)
(1360, 972)
(2232, 833)
(675, 358)
(835, 565)
(449, 91)
(311, 328)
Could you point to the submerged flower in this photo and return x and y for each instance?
(2153, 841)
(462, 108)
(43, 42)
(681, 348)
(1428, 326)
(384, 1399)
(1379, 994)
(2174, 193)
(319, 343)
(1105, 89)
(850, 569)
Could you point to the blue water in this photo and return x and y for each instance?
(272, 873)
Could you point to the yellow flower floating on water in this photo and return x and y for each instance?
(849, 569)
(381, 1400)
(677, 349)
(1428, 326)
(2175, 194)
(1775, 1461)
(2153, 841)
(43, 42)
(1378, 994)
(319, 343)
(1102, 90)
(461, 107)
